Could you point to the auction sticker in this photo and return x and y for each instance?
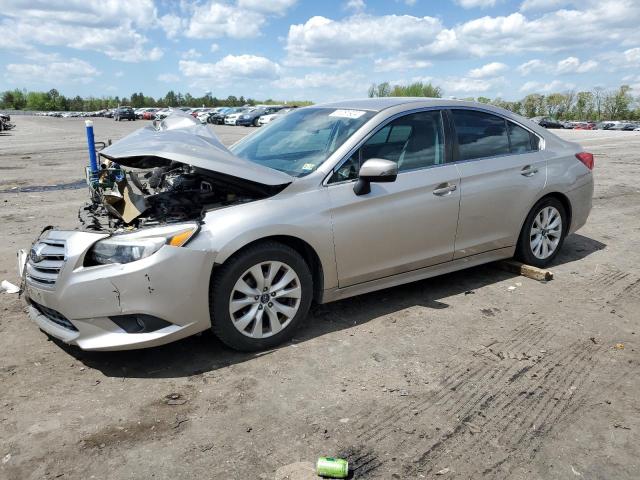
(347, 113)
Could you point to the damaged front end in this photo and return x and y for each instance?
(172, 171)
(131, 277)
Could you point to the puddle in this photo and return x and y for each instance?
(76, 185)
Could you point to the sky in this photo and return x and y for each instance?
(318, 50)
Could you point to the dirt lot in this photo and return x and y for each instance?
(457, 375)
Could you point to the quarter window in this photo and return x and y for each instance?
(480, 134)
(413, 141)
(521, 139)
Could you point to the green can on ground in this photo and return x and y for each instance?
(330, 467)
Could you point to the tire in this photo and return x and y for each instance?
(540, 247)
(255, 122)
(251, 315)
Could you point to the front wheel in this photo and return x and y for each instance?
(259, 297)
(543, 233)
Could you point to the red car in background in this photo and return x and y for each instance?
(150, 114)
(585, 126)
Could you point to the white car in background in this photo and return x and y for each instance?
(264, 119)
(233, 118)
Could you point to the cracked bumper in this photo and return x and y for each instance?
(172, 284)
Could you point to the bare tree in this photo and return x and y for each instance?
(598, 97)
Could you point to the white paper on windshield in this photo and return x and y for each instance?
(347, 113)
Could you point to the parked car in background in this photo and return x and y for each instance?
(124, 113)
(232, 118)
(328, 202)
(568, 125)
(264, 119)
(622, 126)
(150, 114)
(585, 126)
(218, 117)
(547, 122)
(252, 117)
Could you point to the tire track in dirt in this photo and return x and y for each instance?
(511, 429)
(455, 395)
(528, 335)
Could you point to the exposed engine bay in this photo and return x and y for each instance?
(126, 200)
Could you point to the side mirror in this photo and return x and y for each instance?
(375, 170)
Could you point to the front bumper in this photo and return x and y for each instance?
(172, 285)
(244, 122)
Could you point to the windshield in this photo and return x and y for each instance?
(302, 140)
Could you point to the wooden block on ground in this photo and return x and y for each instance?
(526, 270)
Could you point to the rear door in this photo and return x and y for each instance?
(502, 172)
(399, 226)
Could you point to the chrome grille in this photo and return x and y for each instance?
(54, 316)
(45, 261)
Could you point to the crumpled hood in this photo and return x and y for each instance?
(182, 138)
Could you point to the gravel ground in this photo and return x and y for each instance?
(454, 377)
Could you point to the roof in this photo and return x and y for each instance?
(378, 104)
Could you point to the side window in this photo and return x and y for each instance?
(413, 141)
(480, 134)
(522, 140)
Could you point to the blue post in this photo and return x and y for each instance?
(93, 161)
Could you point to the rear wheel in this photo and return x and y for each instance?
(259, 297)
(543, 233)
(255, 122)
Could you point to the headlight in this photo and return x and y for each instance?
(129, 247)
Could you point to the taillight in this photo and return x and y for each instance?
(586, 158)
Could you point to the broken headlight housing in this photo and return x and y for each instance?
(129, 247)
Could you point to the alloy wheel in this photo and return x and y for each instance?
(265, 299)
(546, 232)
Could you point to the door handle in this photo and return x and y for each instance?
(445, 189)
(528, 171)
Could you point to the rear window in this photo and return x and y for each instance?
(480, 134)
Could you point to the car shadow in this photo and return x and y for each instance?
(205, 353)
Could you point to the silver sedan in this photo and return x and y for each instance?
(182, 234)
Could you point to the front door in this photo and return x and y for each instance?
(400, 226)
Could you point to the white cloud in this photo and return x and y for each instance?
(355, 5)
(325, 41)
(119, 74)
(569, 65)
(172, 24)
(243, 19)
(229, 68)
(553, 86)
(398, 64)
(275, 7)
(489, 70)
(72, 70)
(191, 54)
(321, 40)
(467, 85)
(341, 81)
(112, 29)
(476, 3)
(573, 65)
(539, 5)
(168, 77)
(214, 47)
(213, 20)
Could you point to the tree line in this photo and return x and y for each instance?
(596, 104)
(54, 101)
